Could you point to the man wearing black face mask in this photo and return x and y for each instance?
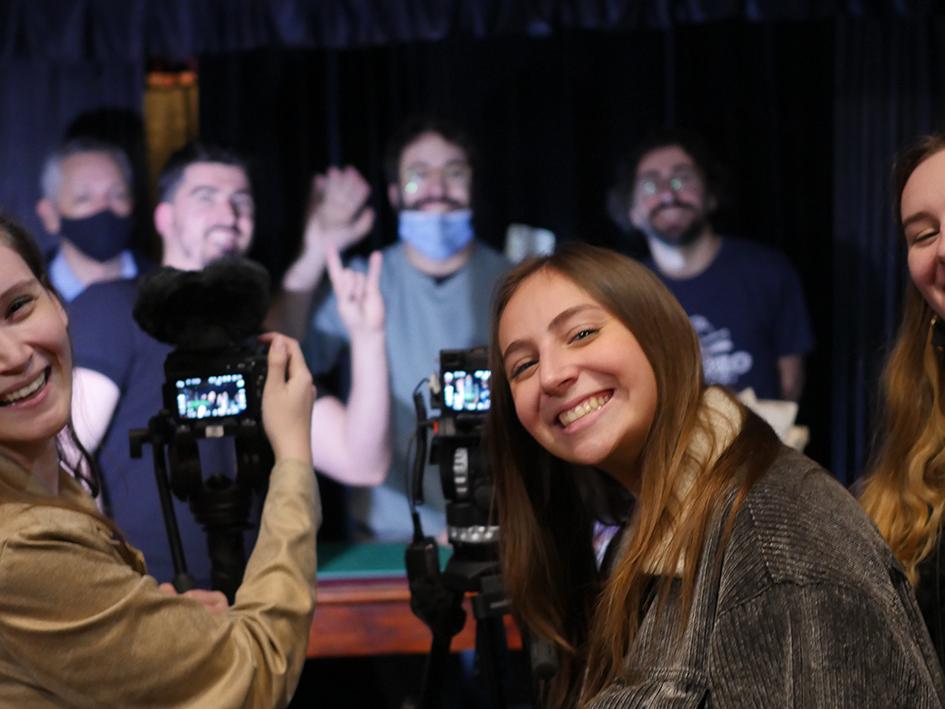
(744, 300)
(436, 281)
(87, 204)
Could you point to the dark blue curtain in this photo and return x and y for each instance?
(133, 30)
(889, 89)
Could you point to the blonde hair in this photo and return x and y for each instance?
(546, 553)
(904, 491)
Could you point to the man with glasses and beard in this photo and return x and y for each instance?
(436, 282)
(744, 300)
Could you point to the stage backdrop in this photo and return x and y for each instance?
(806, 102)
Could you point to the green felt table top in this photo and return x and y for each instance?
(365, 560)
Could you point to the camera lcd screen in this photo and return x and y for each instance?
(466, 390)
(211, 397)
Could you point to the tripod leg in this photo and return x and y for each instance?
(434, 669)
(182, 579)
(490, 647)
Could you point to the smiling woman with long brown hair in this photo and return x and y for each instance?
(81, 623)
(744, 575)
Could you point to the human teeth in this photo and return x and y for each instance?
(24, 392)
(583, 409)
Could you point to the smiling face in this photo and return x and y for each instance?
(670, 199)
(922, 211)
(35, 361)
(434, 175)
(209, 215)
(580, 382)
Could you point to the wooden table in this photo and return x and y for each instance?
(363, 606)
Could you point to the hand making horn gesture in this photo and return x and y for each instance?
(360, 303)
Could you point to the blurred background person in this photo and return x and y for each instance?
(744, 300)
(436, 283)
(87, 204)
(206, 211)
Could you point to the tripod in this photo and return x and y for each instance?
(219, 503)
(437, 599)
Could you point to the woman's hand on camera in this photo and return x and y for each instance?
(287, 400)
(358, 294)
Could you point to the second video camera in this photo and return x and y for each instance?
(463, 400)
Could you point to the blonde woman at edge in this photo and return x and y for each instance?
(904, 492)
(81, 624)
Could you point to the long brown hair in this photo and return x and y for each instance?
(546, 551)
(904, 491)
(72, 454)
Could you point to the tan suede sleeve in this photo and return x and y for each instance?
(80, 627)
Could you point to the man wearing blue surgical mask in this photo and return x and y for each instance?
(432, 195)
(436, 281)
(87, 203)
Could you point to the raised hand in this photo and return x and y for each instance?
(338, 216)
(338, 212)
(360, 303)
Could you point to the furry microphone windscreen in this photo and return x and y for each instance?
(212, 308)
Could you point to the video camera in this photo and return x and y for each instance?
(463, 400)
(462, 395)
(213, 389)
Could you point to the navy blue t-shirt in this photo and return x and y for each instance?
(106, 339)
(748, 310)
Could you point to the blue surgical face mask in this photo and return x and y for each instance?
(436, 235)
(101, 236)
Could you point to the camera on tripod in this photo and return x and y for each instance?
(213, 389)
(463, 400)
(462, 395)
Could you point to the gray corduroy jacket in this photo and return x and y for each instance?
(805, 607)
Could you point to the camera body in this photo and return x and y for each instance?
(463, 400)
(213, 388)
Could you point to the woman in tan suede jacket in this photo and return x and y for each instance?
(81, 624)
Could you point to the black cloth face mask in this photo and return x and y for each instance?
(101, 236)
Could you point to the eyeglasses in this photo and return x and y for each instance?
(680, 180)
(455, 174)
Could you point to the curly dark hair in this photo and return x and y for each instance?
(416, 126)
(714, 174)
